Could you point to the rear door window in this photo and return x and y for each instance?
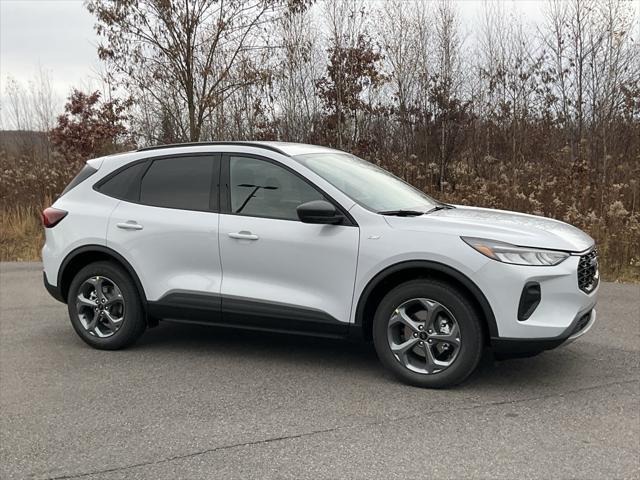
(186, 183)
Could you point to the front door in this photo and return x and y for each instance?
(280, 273)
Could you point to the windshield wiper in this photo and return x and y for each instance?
(437, 208)
(402, 213)
(407, 212)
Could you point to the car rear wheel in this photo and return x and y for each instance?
(104, 307)
(428, 334)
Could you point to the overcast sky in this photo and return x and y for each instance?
(58, 36)
(55, 34)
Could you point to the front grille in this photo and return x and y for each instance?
(588, 275)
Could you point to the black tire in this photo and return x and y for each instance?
(471, 337)
(133, 323)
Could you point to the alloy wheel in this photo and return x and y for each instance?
(100, 306)
(424, 336)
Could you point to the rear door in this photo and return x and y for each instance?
(166, 226)
(280, 273)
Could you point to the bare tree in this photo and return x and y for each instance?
(446, 81)
(401, 32)
(180, 53)
(299, 65)
(566, 36)
(31, 107)
(510, 67)
(346, 21)
(17, 106)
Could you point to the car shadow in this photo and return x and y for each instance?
(352, 358)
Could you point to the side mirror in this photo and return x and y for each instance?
(319, 211)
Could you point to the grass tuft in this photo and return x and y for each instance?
(22, 234)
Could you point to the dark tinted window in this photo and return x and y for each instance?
(124, 184)
(181, 182)
(82, 175)
(262, 189)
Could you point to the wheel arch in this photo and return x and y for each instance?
(401, 272)
(82, 256)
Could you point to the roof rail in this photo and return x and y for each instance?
(203, 144)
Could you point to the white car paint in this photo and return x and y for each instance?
(294, 263)
(174, 250)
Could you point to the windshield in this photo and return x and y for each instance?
(367, 184)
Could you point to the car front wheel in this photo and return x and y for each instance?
(428, 334)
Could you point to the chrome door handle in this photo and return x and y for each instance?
(244, 235)
(130, 225)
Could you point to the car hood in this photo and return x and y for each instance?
(511, 227)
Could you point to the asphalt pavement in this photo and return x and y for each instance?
(205, 403)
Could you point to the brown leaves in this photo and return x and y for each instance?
(89, 128)
(349, 72)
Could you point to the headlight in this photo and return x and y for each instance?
(507, 253)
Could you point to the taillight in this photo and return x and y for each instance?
(52, 216)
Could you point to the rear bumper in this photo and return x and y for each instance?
(516, 347)
(53, 290)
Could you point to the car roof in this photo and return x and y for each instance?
(285, 148)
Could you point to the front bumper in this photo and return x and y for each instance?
(561, 302)
(581, 328)
(516, 347)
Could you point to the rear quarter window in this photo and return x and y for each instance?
(125, 184)
(82, 175)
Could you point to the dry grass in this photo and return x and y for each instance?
(22, 234)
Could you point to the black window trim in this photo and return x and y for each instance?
(214, 197)
(225, 191)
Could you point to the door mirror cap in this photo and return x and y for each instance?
(319, 211)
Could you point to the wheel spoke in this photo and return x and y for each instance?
(99, 333)
(401, 316)
(112, 322)
(100, 291)
(97, 283)
(433, 310)
(431, 363)
(82, 301)
(93, 324)
(453, 337)
(113, 299)
(404, 347)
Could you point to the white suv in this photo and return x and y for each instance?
(309, 240)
